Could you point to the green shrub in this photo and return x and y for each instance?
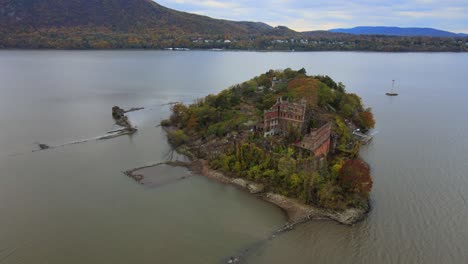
(165, 123)
(178, 138)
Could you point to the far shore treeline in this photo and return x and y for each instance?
(227, 130)
(144, 24)
(84, 38)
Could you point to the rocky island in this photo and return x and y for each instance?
(285, 136)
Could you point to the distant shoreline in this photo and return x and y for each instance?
(230, 50)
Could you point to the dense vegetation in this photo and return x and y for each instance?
(222, 129)
(115, 24)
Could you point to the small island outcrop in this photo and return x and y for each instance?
(285, 136)
(122, 120)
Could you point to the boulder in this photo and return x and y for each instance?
(255, 188)
(240, 182)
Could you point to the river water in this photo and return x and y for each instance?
(73, 204)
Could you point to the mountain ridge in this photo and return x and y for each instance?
(398, 31)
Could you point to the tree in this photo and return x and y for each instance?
(178, 138)
(367, 119)
(355, 177)
(192, 122)
(350, 104)
(331, 196)
(330, 82)
(293, 134)
(264, 80)
(179, 114)
(325, 95)
(289, 73)
(286, 164)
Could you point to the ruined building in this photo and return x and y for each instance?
(318, 140)
(282, 115)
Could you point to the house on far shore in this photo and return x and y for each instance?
(282, 115)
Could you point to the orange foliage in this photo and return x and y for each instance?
(133, 40)
(367, 119)
(192, 122)
(355, 177)
(304, 88)
(179, 113)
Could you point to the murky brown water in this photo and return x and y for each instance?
(73, 204)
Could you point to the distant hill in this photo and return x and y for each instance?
(144, 24)
(120, 16)
(398, 31)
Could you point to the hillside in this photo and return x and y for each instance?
(118, 16)
(144, 24)
(397, 31)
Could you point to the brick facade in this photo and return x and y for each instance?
(282, 115)
(318, 140)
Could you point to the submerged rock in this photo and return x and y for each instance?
(253, 188)
(256, 188)
(117, 112)
(43, 146)
(240, 182)
(349, 216)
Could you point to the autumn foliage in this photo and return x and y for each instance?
(367, 119)
(304, 88)
(355, 177)
(226, 130)
(124, 24)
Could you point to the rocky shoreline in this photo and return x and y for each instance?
(296, 211)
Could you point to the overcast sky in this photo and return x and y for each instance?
(302, 15)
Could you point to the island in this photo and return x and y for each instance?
(287, 137)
